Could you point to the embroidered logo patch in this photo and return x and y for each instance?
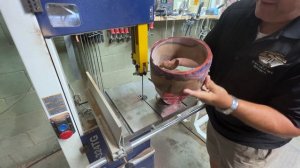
(268, 60)
(271, 59)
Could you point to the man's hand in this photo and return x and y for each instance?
(212, 94)
(255, 115)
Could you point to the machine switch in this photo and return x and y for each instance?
(66, 134)
(63, 126)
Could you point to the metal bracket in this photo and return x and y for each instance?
(35, 6)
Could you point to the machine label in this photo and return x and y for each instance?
(95, 144)
(55, 104)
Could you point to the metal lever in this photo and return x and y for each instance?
(145, 154)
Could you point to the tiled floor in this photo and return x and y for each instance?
(177, 147)
(25, 132)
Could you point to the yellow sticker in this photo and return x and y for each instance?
(196, 2)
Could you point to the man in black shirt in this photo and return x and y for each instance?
(254, 90)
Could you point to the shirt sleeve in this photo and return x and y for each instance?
(285, 97)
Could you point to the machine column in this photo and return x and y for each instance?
(45, 78)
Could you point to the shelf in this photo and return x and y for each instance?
(164, 18)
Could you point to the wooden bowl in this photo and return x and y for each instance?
(190, 60)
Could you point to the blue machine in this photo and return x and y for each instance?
(65, 17)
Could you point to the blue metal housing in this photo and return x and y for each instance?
(99, 15)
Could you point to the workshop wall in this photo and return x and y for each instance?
(116, 62)
(25, 133)
(116, 57)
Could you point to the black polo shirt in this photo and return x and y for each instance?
(264, 71)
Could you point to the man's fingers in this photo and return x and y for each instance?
(210, 85)
(204, 88)
(210, 93)
(190, 92)
(202, 95)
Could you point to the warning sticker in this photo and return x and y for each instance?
(55, 104)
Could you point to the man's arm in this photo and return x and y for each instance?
(260, 117)
(266, 119)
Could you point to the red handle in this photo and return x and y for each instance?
(151, 25)
(122, 30)
(117, 31)
(112, 31)
(126, 30)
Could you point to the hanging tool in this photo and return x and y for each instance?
(166, 23)
(117, 34)
(112, 35)
(173, 27)
(188, 25)
(101, 36)
(97, 35)
(184, 8)
(205, 28)
(127, 34)
(122, 34)
(198, 16)
(199, 10)
(151, 25)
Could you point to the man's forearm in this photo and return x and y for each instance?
(261, 117)
(266, 119)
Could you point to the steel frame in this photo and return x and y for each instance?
(43, 66)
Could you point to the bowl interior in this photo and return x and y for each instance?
(187, 51)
